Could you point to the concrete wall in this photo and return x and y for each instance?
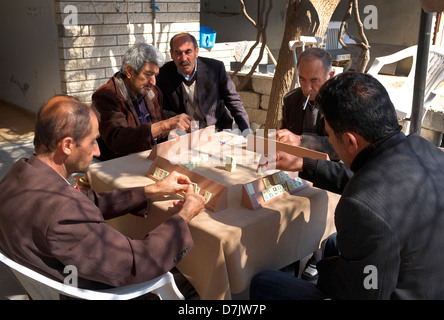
(398, 21)
(28, 57)
(73, 47)
(398, 24)
(231, 27)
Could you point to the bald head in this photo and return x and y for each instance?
(62, 116)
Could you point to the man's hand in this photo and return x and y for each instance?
(191, 206)
(286, 136)
(181, 122)
(173, 183)
(281, 161)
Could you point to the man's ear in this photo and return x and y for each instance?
(331, 74)
(355, 143)
(67, 145)
(351, 142)
(128, 71)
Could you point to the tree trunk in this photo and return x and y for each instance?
(303, 18)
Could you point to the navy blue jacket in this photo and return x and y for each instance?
(389, 222)
(216, 94)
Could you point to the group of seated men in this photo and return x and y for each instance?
(147, 99)
(389, 217)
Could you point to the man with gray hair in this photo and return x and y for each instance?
(302, 124)
(130, 106)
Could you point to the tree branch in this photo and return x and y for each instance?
(261, 33)
(364, 56)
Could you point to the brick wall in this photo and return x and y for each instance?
(90, 51)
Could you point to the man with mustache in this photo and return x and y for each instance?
(200, 87)
(130, 105)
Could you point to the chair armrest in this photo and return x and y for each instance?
(43, 287)
(379, 62)
(164, 285)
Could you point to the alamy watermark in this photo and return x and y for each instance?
(72, 18)
(72, 277)
(371, 281)
(189, 148)
(371, 20)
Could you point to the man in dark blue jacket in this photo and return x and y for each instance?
(390, 218)
(199, 87)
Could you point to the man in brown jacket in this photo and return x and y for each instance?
(130, 105)
(47, 224)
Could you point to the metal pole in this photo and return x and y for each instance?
(422, 58)
(153, 5)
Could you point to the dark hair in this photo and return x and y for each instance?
(193, 39)
(317, 53)
(60, 119)
(357, 102)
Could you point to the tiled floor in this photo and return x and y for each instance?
(16, 124)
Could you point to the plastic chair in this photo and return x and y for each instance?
(402, 97)
(40, 287)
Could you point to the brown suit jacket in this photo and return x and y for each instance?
(46, 224)
(121, 132)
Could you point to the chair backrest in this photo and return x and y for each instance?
(40, 287)
(435, 75)
(331, 35)
(435, 70)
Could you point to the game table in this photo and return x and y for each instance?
(234, 243)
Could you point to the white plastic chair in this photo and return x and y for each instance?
(40, 287)
(402, 97)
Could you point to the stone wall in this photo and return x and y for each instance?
(255, 97)
(91, 48)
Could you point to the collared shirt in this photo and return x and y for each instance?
(140, 106)
(188, 78)
(311, 119)
(142, 110)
